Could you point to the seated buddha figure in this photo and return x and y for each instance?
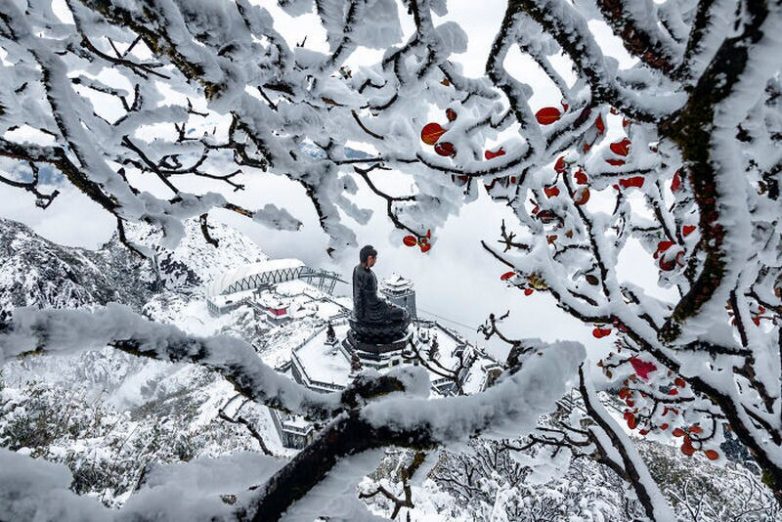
(375, 320)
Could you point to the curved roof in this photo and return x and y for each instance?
(275, 270)
(397, 282)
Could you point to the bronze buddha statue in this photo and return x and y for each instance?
(374, 320)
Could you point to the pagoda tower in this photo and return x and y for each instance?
(400, 291)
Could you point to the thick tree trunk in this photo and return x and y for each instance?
(348, 435)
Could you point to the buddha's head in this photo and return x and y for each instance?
(368, 256)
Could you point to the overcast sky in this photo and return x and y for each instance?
(456, 280)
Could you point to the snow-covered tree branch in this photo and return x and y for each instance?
(509, 408)
(677, 156)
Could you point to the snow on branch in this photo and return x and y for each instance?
(61, 331)
(510, 407)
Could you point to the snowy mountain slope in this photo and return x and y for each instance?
(37, 272)
(194, 262)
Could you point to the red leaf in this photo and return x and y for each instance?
(599, 333)
(676, 183)
(410, 241)
(547, 216)
(662, 246)
(664, 426)
(547, 115)
(489, 154)
(632, 422)
(696, 429)
(688, 229)
(642, 368)
(669, 262)
(711, 454)
(626, 122)
(565, 105)
(687, 449)
(426, 247)
(599, 125)
(429, 234)
(551, 192)
(581, 196)
(615, 162)
(622, 148)
(673, 391)
(431, 133)
(445, 149)
(635, 181)
(559, 166)
(681, 383)
(528, 291)
(450, 114)
(507, 275)
(581, 177)
(678, 432)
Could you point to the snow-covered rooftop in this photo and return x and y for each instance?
(397, 283)
(222, 300)
(220, 284)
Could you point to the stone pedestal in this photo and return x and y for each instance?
(377, 355)
(378, 333)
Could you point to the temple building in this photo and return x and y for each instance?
(400, 291)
